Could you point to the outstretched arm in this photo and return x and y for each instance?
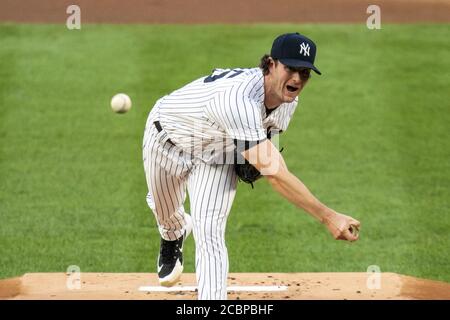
(268, 160)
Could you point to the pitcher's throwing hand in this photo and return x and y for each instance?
(342, 227)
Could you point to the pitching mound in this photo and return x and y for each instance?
(255, 286)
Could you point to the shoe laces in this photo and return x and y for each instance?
(170, 250)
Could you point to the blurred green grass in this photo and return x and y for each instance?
(370, 139)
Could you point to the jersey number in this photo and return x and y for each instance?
(233, 73)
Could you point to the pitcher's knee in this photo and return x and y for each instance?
(208, 241)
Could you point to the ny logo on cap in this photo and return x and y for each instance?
(304, 49)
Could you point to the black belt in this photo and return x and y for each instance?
(159, 128)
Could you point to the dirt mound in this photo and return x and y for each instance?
(254, 286)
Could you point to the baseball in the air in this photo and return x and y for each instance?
(121, 103)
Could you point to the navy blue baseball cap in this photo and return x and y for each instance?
(295, 50)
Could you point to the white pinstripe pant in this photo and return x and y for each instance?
(169, 171)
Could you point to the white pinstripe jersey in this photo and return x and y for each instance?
(204, 116)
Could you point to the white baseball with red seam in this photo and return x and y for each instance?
(121, 103)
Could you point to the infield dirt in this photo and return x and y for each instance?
(299, 286)
(231, 11)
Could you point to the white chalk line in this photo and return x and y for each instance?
(230, 288)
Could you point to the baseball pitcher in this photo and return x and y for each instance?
(205, 136)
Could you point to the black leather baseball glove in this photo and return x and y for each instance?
(245, 170)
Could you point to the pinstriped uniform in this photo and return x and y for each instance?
(200, 122)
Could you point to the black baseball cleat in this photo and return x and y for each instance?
(170, 260)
